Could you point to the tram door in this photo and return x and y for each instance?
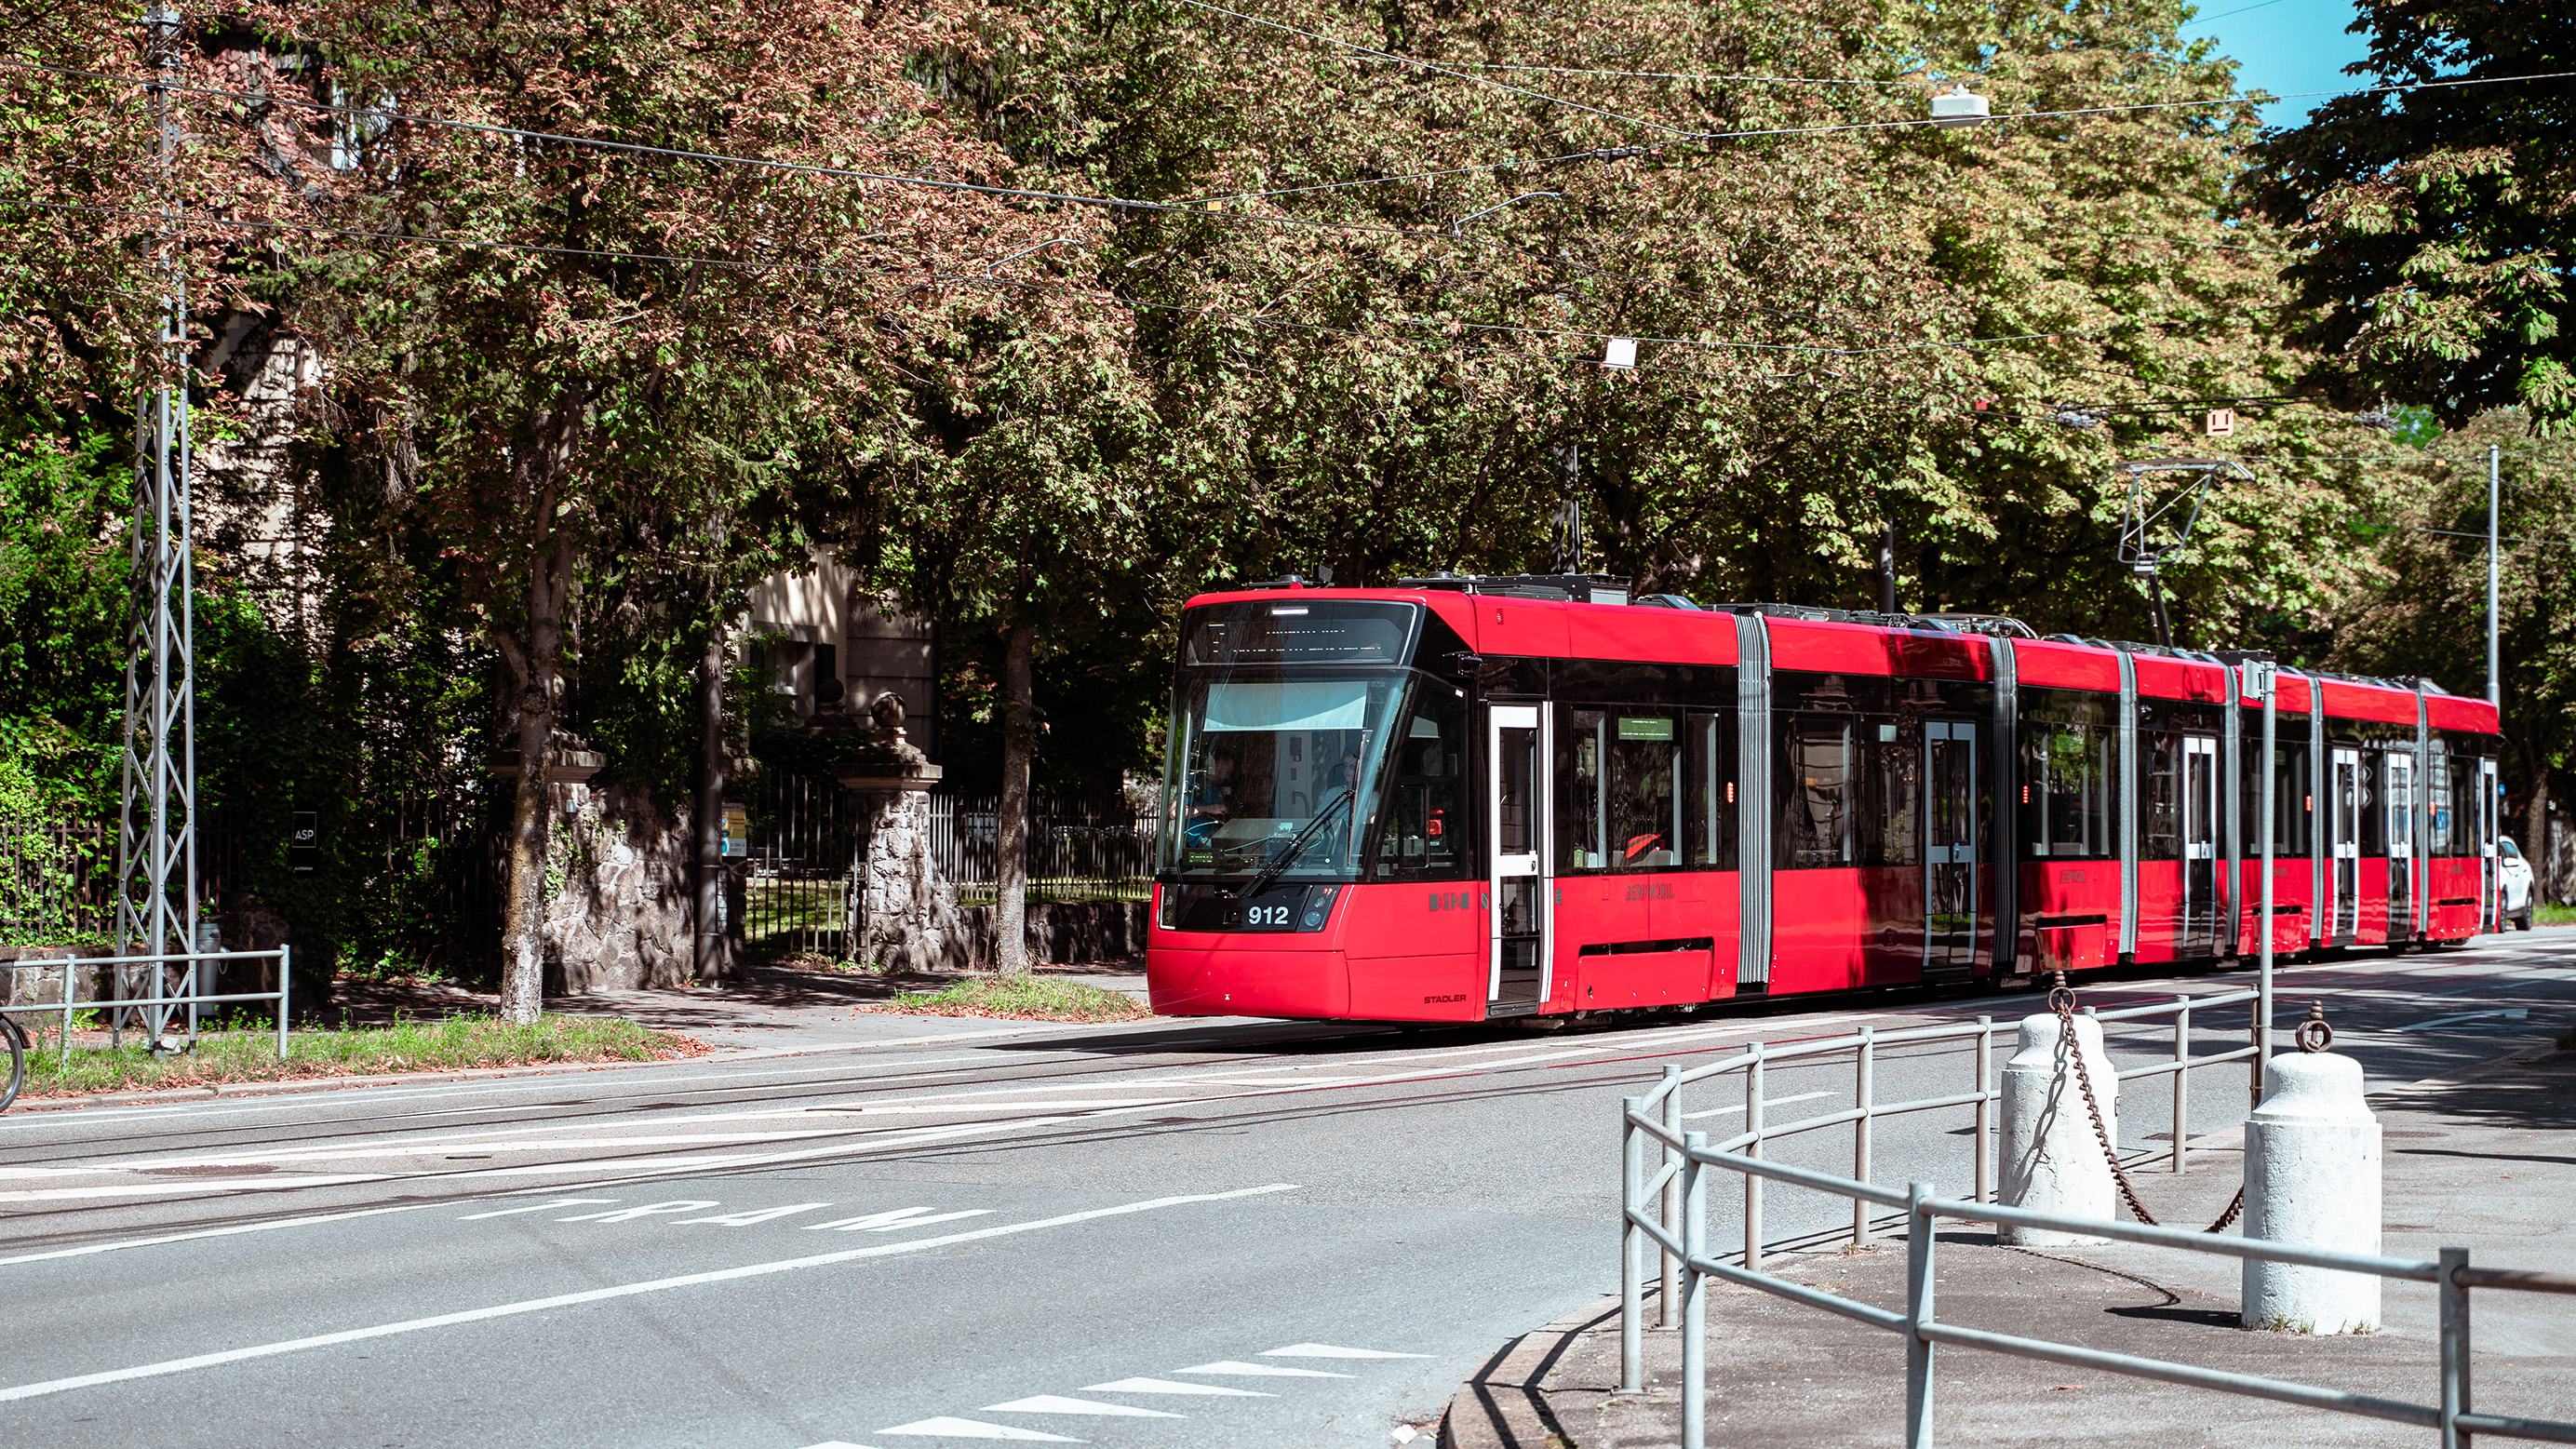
(1950, 853)
(2343, 830)
(2401, 843)
(2200, 893)
(1516, 976)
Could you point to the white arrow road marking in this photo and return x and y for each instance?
(975, 1429)
(1265, 1370)
(1166, 1386)
(744, 1220)
(623, 1290)
(1059, 1404)
(1326, 1350)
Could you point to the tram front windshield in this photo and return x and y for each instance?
(1278, 726)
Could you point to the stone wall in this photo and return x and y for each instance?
(902, 915)
(618, 893)
(44, 986)
(1062, 934)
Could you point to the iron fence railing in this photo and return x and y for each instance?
(1665, 1210)
(804, 839)
(140, 994)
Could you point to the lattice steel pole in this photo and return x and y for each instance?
(156, 898)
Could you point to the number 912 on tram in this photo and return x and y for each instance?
(1469, 798)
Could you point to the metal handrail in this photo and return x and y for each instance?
(1693, 1154)
(192, 999)
(1654, 1121)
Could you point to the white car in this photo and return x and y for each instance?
(2513, 876)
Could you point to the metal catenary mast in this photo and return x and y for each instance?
(156, 898)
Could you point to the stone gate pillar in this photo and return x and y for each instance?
(902, 913)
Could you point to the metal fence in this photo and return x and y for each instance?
(1667, 1211)
(138, 986)
(804, 836)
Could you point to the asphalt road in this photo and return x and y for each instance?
(1226, 1232)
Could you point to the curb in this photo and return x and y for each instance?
(1500, 1407)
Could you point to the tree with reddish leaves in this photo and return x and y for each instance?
(576, 275)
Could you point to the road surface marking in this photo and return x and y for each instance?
(2516, 1013)
(1059, 1404)
(215, 1184)
(1265, 1370)
(1767, 1102)
(649, 1210)
(976, 1429)
(892, 1219)
(554, 1202)
(1326, 1350)
(744, 1220)
(189, 1237)
(1166, 1386)
(596, 1295)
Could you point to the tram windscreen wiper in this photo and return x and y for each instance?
(1297, 843)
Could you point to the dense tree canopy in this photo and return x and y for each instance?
(2437, 215)
(1046, 313)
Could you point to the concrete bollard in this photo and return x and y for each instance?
(2312, 1178)
(2052, 1161)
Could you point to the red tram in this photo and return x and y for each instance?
(1473, 798)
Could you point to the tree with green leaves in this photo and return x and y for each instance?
(2434, 212)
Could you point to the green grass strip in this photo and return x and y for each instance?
(250, 1055)
(1023, 998)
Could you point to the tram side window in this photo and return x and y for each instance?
(2374, 819)
(2160, 799)
(1889, 819)
(2290, 802)
(1815, 792)
(1619, 800)
(1425, 834)
(2066, 799)
(1708, 790)
(2454, 797)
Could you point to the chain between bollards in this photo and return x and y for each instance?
(2061, 1000)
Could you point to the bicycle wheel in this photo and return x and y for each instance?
(17, 1039)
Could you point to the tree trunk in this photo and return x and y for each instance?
(1019, 742)
(535, 660)
(715, 954)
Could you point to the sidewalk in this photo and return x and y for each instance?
(2486, 1162)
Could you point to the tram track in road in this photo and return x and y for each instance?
(1177, 1086)
(1465, 1171)
(593, 1137)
